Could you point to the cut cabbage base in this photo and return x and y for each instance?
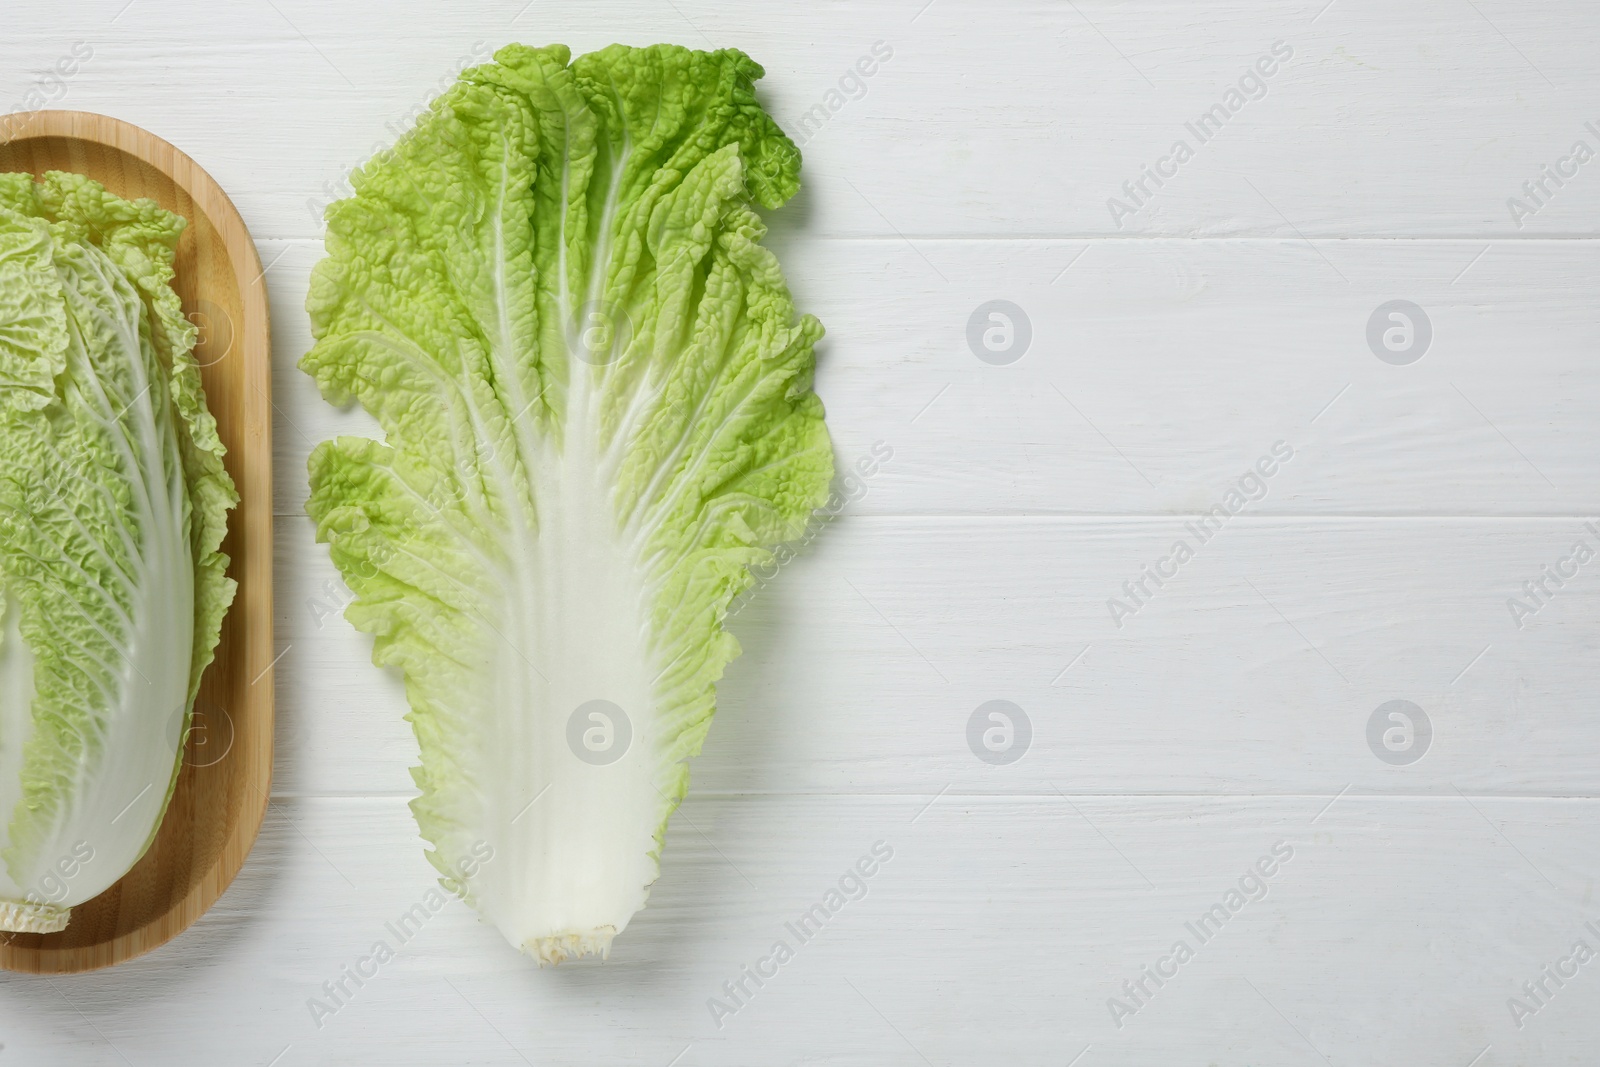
(33, 918)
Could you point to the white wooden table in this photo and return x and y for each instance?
(1176, 338)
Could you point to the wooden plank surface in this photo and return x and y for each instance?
(1171, 349)
(1255, 670)
(1016, 120)
(998, 931)
(1159, 371)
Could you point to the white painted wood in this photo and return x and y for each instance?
(996, 933)
(1018, 119)
(1228, 313)
(1159, 371)
(1255, 670)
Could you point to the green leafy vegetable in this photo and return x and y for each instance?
(113, 505)
(596, 398)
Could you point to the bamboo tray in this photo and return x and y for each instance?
(223, 788)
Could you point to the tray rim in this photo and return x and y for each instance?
(253, 473)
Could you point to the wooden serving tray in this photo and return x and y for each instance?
(223, 787)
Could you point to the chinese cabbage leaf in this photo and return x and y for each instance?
(596, 400)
